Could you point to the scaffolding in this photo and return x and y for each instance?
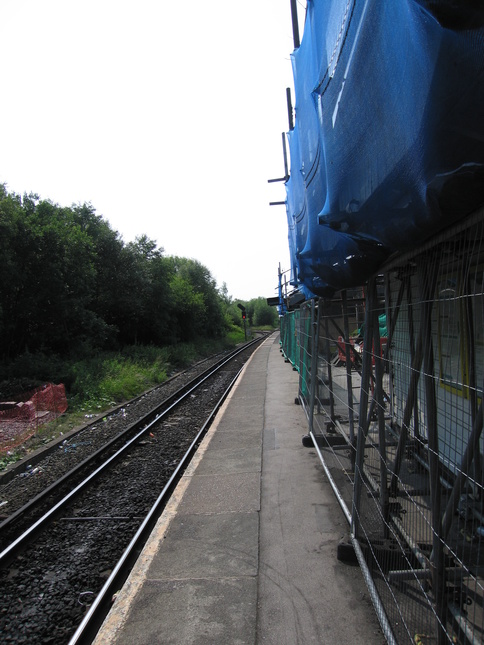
(391, 377)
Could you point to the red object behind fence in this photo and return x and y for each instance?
(358, 348)
(20, 419)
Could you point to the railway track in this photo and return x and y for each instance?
(69, 549)
(24, 481)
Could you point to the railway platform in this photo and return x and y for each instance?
(246, 550)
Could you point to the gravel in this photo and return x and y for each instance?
(50, 586)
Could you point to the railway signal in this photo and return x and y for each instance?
(244, 316)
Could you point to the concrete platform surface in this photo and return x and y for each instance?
(245, 552)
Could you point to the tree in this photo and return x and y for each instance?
(68, 283)
(152, 273)
(210, 319)
(263, 314)
(12, 236)
(112, 276)
(188, 310)
(47, 305)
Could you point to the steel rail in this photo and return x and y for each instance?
(19, 467)
(154, 417)
(93, 619)
(52, 488)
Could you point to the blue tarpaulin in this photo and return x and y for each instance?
(388, 143)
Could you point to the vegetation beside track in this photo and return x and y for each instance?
(101, 382)
(106, 318)
(70, 286)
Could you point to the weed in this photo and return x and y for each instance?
(100, 382)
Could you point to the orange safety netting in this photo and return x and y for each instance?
(20, 419)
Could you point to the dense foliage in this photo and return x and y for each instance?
(70, 286)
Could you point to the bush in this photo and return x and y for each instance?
(28, 371)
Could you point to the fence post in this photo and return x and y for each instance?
(349, 381)
(314, 363)
(416, 421)
(437, 559)
(330, 375)
(363, 414)
(379, 402)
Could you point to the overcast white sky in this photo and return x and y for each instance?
(165, 115)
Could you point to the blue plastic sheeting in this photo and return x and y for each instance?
(388, 143)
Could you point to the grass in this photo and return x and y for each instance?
(101, 382)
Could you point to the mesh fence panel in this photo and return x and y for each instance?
(289, 338)
(391, 379)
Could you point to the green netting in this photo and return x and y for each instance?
(289, 340)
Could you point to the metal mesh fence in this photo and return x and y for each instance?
(289, 337)
(391, 379)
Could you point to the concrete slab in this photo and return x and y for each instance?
(209, 546)
(227, 493)
(305, 594)
(220, 460)
(225, 438)
(245, 553)
(192, 612)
